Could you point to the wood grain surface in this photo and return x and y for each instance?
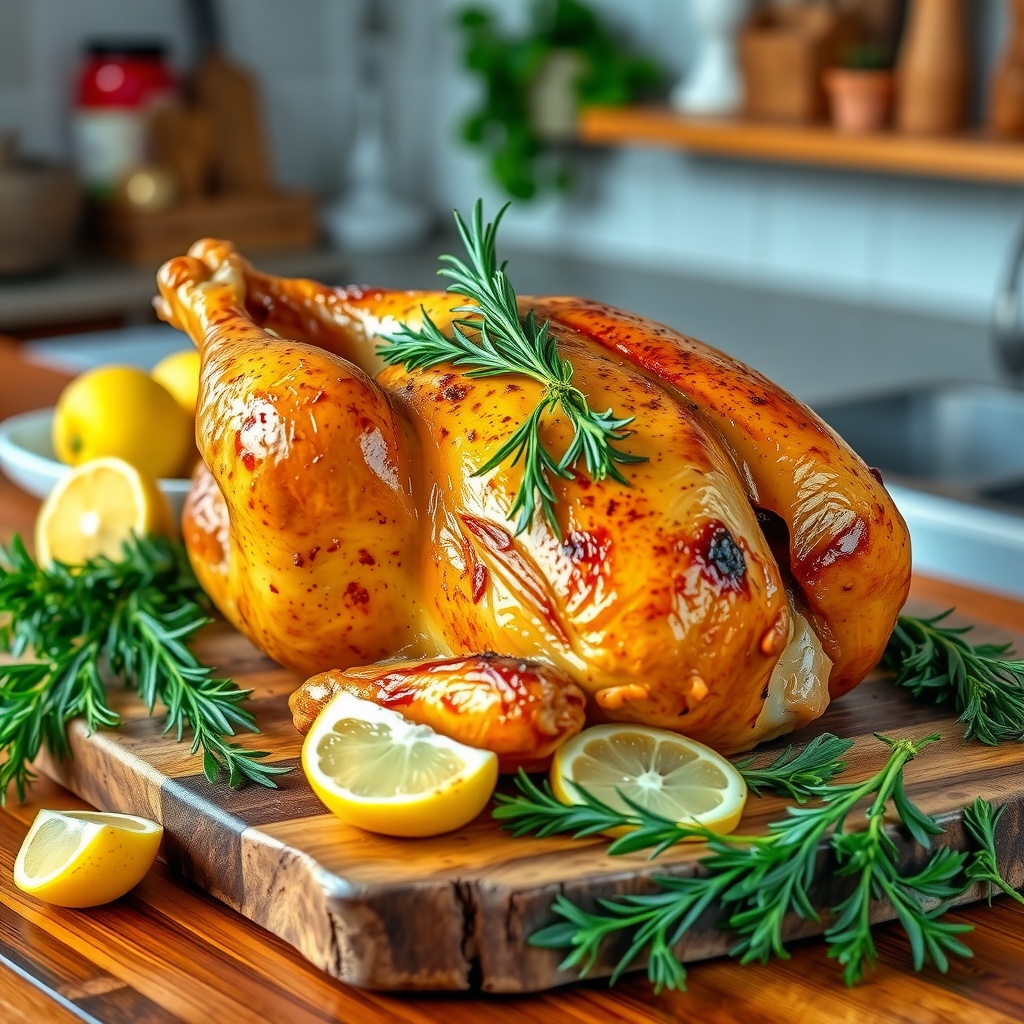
(169, 951)
(455, 912)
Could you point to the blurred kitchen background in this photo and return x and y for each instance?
(693, 160)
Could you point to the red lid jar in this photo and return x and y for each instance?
(132, 75)
(119, 85)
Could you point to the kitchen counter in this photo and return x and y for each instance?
(816, 348)
(169, 952)
(95, 289)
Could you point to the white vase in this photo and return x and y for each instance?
(714, 86)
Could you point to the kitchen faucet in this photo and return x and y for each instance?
(1007, 325)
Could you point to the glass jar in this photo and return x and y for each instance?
(118, 87)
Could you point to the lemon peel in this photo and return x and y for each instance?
(85, 858)
(376, 770)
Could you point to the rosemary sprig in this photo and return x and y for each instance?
(799, 775)
(491, 339)
(982, 682)
(132, 617)
(981, 822)
(536, 810)
(756, 881)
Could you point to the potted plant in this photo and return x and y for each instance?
(534, 83)
(860, 90)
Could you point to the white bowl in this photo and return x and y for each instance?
(26, 457)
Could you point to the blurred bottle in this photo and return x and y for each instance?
(119, 86)
(1005, 114)
(932, 71)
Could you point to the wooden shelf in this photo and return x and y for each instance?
(965, 158)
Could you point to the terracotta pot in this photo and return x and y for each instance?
(932, 72)
(1005, 116)
(860, 100)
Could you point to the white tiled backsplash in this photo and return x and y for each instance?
(925, 245)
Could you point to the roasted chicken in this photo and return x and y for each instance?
(753, 566)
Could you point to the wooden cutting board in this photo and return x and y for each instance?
(455, 912)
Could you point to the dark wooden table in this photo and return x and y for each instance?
(169, 952)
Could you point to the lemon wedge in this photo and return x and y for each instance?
(377, 770)
(662, 771)
(94, 508)
(85, 858)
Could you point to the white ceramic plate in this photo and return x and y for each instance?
(26, 457)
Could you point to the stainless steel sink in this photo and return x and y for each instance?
(964, 440)
(952, 456)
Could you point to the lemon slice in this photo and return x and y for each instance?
(93, 509)
(85, 858)
(377, 770)
(662, 771)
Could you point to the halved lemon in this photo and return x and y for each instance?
(377, 770)
(94, 508)
(662, 771)
(85, 858)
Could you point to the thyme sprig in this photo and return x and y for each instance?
(983, 683)
(72, 628)
(491, 339)
(756, 881)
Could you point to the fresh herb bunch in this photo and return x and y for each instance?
(510, 66)
(536, 810)
(130, 618)
(758, 880)
(981, 822)
(982, 682)
(492, 340)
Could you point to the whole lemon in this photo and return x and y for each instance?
(120, 411)
(179, 373)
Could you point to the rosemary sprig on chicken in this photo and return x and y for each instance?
(492, 340)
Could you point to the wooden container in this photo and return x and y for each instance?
(271, 221)
(783, 54)
(1005, 114)
(932, 71)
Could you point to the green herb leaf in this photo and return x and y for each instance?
(984, 683)
(758, 882)
(798, 775)
(134, 616)
(981, 822)
(491, 340)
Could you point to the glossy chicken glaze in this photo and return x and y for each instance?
(356, 529)
(521, 710)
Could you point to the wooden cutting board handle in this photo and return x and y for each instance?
(228, 96)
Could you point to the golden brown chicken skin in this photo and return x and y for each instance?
(342, 522)
(521, 710)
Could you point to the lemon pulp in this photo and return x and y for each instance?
(665, 773)
(374, 769)
(95, 508)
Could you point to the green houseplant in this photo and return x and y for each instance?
(565, 47)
